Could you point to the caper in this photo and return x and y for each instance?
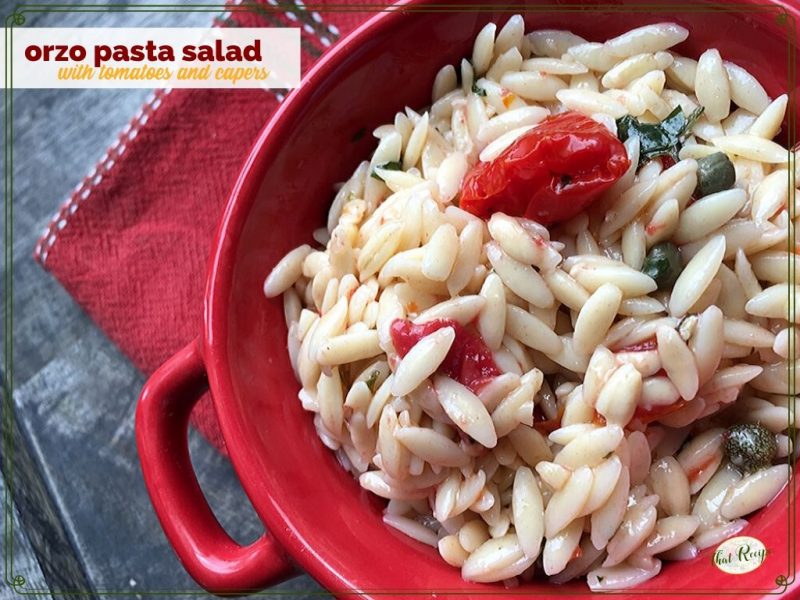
(750, 446)
(663, 264)
(715, 173)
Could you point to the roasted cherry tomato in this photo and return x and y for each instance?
(550, 174)
(469, 361)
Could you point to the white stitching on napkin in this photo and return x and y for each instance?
(317, 18)
(84, 189)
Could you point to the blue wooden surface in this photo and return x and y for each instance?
(81, 514)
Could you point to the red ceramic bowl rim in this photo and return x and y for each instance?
(220, 277)
(222, 267)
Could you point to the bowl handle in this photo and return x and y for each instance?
(207, 552)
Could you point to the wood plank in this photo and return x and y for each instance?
(90, 461)
(40, 521)
(25, 563)
(75, 392)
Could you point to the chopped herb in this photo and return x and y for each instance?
(478, 90)
(394, 165)
(372, 379)
(661, 139)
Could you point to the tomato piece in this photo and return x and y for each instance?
(547, 427)
(599, 419)
(544, 425)
(469, 360)
(648, 415)
(648, 344)
(694, 473)
(550, 174)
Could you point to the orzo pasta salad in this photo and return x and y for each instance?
(548, 319)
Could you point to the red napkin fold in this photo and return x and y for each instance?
(131, 243)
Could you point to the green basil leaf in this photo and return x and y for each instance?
(373, 379)
(692, 119)
(658, 139)
(675, 122)
(393, 165)
(625, 127)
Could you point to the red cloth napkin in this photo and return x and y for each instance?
(131, 243)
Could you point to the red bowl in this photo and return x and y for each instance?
(316, 514)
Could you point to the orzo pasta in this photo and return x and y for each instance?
(549, 320)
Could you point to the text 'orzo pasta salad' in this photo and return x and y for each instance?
(548, 320)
